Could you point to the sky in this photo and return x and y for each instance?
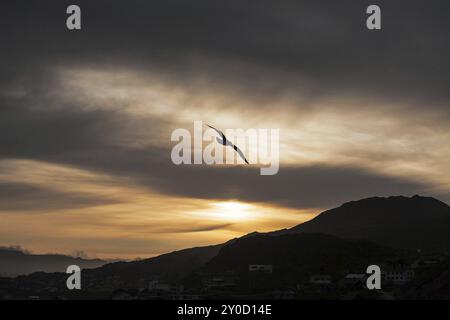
(86, 116)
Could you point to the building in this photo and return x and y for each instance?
(155, 285)
(220, 281)
(398, 276)
(260, 268)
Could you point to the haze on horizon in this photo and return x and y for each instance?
(86, 117)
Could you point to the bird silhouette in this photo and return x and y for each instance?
(225, 142)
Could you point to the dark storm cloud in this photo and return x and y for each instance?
(302, 187)
(28, 198)
(310, 186)
(319, 48)
(30, 131)
(37, 124)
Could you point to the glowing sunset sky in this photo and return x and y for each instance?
(86, 117)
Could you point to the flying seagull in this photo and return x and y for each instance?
(224, 141)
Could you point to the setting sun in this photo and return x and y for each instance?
(232, 210)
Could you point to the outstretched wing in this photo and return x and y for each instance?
(224, 139)
(225, 142)
(239, 151)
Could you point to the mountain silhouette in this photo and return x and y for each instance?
(16, 262)
(301, 249)
(294, 258)
(401, 222)
(169, 267)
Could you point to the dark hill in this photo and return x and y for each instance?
(15, 262)
(313, 251)
(294, 258)
(401, 222)
(169, 267)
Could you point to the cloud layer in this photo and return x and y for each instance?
(86, 117)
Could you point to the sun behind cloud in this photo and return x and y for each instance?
(232, 210)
